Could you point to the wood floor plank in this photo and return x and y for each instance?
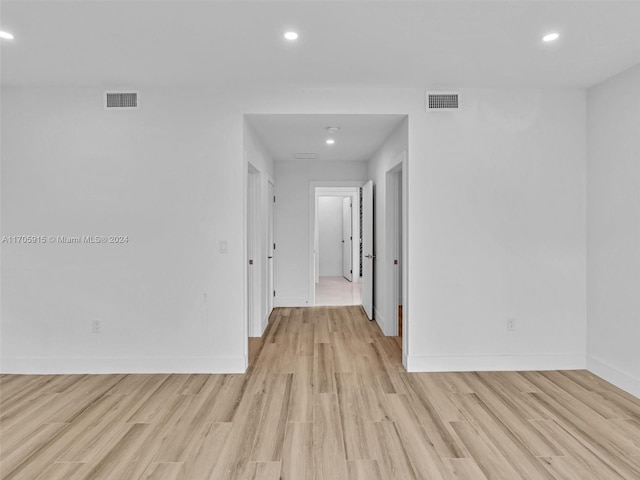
(211, 441)
(363, 470)
(19, 457)
(506, 413)
(503, 438)
(268, 442)
(389, 452)
(301, 400)
(484, 453)
(60, 471)
(95, 428)
(587, 423)
(352, 418)
(325, 397)
(328, 444)
(155, 404)
(444, 439)
(164, 471)
(117, 462)
(264, 471)
(464, 469)
(233, 461)
(324, 369)
(421, 453)
(591, 399)
(297, 456)
(587, 460)
(231, 390)
(137, 384)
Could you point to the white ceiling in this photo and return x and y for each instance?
(421, 44)
(358, 139)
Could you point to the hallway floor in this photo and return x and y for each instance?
(325, 398)
(338, 291)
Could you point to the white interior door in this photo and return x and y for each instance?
(270, 250)
(347, 236)
(368, 256)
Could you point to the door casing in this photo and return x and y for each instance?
(338, 187)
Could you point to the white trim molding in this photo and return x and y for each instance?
(107, 365)
(290, 302)
(617, 377)
(507, 362)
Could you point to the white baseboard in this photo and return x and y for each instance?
(470, 363)
(290, 302)
(79, 365)
(611, 374)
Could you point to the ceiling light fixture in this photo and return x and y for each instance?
(333, 130)
(330, 141)
(291, 36)
(550, 37)
(6, 35)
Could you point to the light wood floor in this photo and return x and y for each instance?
(325, 398)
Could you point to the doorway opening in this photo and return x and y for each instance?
(329, 258)
(337, 243)
(311, 152)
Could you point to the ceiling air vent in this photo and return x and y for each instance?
(121, 100)
(443, 101)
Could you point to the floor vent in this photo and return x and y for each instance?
(121, 100)
(443, 101)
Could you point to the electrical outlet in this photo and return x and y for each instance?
(96, 326)
(511, 324)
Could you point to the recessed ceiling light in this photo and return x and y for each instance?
(6, 35)
(550, 37)
(330, 141)
(291, 35)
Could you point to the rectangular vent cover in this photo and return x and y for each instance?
(443, 101)
(121, 100)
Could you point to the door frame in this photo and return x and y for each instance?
(391, 235)
(313, 185)
(350, 246)
(270, 277)
(253, 250)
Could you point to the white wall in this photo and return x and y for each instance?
(292, 221)
(256, 153)
(169, 176)
(330, 236)
(387, 157)
(497, 230)
(613, 253)
(496, 226)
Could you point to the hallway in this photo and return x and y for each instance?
(325, 397)
(335, 291)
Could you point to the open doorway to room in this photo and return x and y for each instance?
(337, 246)
(324, 165)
